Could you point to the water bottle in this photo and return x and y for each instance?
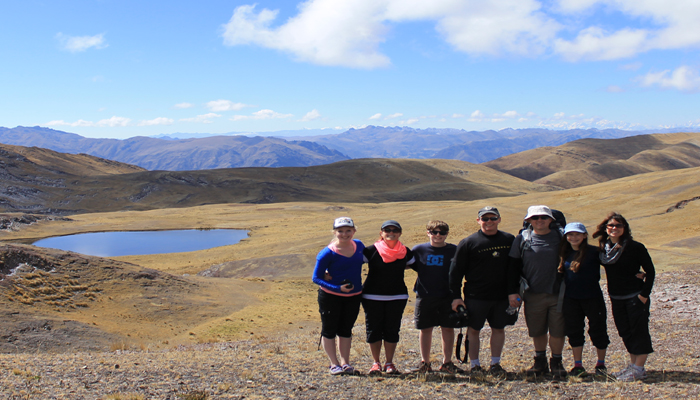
(513, 310)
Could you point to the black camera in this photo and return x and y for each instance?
(347, 282)
(459, 318)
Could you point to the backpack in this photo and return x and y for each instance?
(556, 225)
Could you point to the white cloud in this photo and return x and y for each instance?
(182, 106)
(508, 114)
(262, 114)
(76, 44)
(376, 116)
(110, 122)
(156, 121)
(477, 115)
(225, 105)
(614, 89)
(664, 26)
(457, 115)
(559, 115)
(310, 116)
(204, 118)
(392, 116)
(682, 78)
(410, 121)
(350, 32)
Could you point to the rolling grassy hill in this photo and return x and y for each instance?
(588, 161)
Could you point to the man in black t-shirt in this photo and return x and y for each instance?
(481, 262)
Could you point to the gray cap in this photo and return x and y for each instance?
(391, 222)
(539, 210)
(488, 210)
(575, 227)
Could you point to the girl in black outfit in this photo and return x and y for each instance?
(384, 294)
(583, 297)
(629, 290)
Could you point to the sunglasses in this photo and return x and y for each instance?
(443, 233)
(618, 226)
(489, 219)
(392, 230)
(536, 217)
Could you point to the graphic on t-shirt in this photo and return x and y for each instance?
(434, 260)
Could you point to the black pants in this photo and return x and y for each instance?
(632, 321)
(575, 313)
(383, 319)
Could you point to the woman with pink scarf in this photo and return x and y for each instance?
(384, 294)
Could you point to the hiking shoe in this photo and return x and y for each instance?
(622, 371)
(601, 370)
(423, 368)
(348, 369)
(557, 367)
(450, 368)
(476, 369)
(496, 369)
(578, 372)
(540, 367)
(390, 368)
(632, 374)
(336, 370)
(376, 369)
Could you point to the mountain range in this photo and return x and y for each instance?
(211, 152)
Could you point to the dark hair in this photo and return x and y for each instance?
(565, 248)
(437, 225)
(601, 231)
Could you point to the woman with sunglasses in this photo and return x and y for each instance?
(629, 290)
(385, 294)
(583, 298)
(338, 273)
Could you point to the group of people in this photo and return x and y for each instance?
(548, 268)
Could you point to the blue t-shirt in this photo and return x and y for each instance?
(339, 268)
(433, 267)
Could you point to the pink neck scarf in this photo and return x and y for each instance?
(387, 253)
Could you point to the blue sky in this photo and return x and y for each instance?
(128, 68)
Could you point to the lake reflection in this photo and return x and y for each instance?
(113, 244)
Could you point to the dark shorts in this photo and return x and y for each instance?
(632, 321)
(433, 311)
(493, 311)
(576, 311)
(541, 315)
(383, 319)
(338, 314)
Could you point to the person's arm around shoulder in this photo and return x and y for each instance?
(515, 271)
(458, 266)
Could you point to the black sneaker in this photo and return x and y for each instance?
(601, 370)
(557, 367)
(476, 369)
(497, 370)
(578, 372)
(540, 367)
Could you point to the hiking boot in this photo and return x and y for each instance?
(476, 369)
(578, 372)
(390, 369)
(540, 367)
(423, 368)
(497, 370)
(557, 367)
(601, 370)
(450, 368)
(376, 369)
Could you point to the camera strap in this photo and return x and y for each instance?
(458, 347)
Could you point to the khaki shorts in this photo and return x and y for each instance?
(541, 315)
